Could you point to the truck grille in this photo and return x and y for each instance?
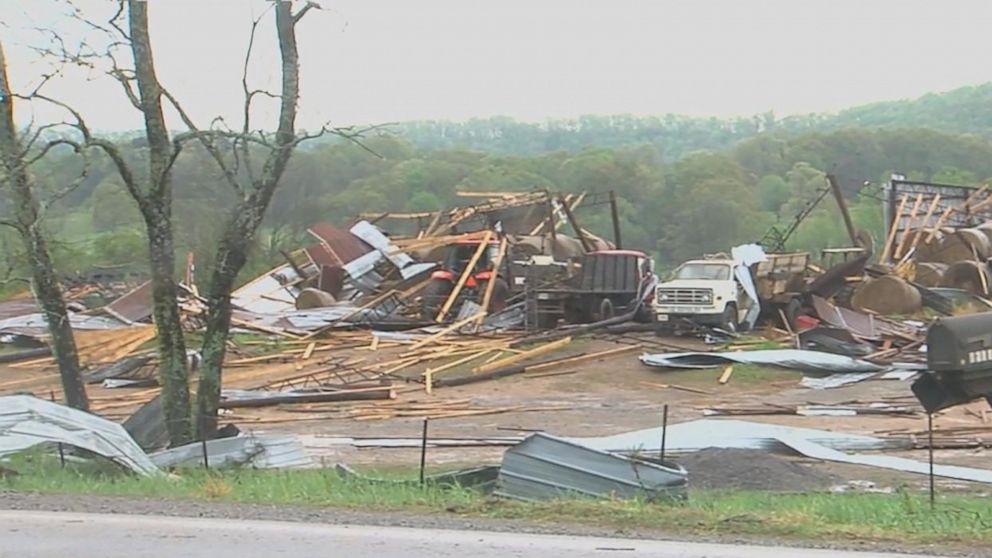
(684, 296)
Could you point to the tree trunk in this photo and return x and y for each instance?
(156, 208)
(242, 224)
(47, 290)
(230, 258)
(171, 344)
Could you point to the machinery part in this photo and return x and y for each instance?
(501, 293)
(434, 296)
(606, 310)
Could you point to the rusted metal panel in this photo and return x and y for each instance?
(135, 306)
(862, 325)
(339, 246)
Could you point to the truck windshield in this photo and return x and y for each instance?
(711, 272)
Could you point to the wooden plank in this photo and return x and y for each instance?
(909, 225)
(490, 286)
(466, 273)
(926, 221)
(727, 373)
(678, 387)
(510, 360)
(458, 362)
(571, 361)
(893, 228)
(308, 352)
(447, 330)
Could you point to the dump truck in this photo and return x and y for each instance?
(603, 284)
(713, 291)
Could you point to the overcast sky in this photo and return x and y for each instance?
(373, 61)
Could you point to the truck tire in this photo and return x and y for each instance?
(433, 298)
(606, 310)
(728, 322)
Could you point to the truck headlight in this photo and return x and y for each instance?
(663, 297)
(707, 298)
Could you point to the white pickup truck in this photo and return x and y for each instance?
(709, 292)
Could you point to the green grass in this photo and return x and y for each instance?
(903, 517)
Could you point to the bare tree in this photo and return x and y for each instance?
(252, 162)
(148, 182)
(16, 156)
(255, 189)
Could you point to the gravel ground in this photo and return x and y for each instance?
(189, 508)
(740, 469)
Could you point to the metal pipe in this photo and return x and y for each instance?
(664, 433)
(423, 453)
(616, 221)
(933, 494)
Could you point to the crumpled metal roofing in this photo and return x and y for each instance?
(260, 452)
(339, 246)
(35, 324)
(26, 421)
(797, 359)
(545, 467)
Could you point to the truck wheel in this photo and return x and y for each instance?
(606, 310)
(728, 322)
(434, 296)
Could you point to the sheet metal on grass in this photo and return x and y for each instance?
(26, 421)
(544, 467)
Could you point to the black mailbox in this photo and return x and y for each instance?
(963, 343)
(959, 358)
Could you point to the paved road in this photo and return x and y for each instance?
(26, 534)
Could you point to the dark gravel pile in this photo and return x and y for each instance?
(739, 469)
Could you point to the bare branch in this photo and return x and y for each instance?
(205, 139)
(303, 11)
(48, 147)
(71, 186)
(248, 95)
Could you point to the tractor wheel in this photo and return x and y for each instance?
(433, 298)
(501, 292)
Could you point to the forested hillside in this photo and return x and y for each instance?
(967, 110)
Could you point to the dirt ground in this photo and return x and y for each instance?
(603, 397)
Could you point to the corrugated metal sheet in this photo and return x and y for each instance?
(260, 452)
(136, 305)
(270, 293)
(340, 246)
(862, 325)
(27, 421)
(374, 237)
(793, 359)
(719, 433)
(35, 324)
(544, 467)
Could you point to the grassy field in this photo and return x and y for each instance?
(904, 517)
